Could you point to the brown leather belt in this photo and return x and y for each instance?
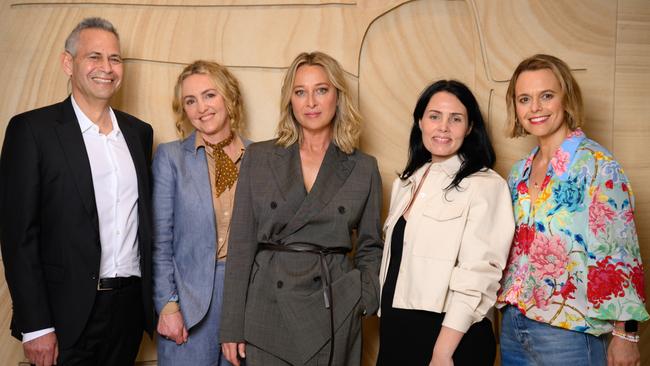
(322, 253)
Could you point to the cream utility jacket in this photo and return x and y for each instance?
(456, 242)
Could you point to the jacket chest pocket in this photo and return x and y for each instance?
(439, 232)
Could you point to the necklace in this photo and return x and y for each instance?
(417, 190)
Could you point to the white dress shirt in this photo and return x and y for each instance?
(116, 196)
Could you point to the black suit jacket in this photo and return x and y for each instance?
(49, 229)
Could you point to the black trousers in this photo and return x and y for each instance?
(113, 333)
(407, 337)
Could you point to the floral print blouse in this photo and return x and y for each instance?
(575, 261)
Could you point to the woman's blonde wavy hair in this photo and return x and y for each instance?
(225, 83)
(571, 100)
(347, 120)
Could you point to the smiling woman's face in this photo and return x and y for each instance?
(538, 104)
(444, 126)
(205, 107)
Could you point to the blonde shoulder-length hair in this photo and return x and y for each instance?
(225, 83)
(347, 120)
(571, 100)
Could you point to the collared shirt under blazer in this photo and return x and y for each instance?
(456, 242)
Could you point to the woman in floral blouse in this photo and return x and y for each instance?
(574, 272)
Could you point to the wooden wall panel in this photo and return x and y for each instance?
(263, 38)
(441, 46)
(631, 129)
(390, 49)
(188, 3)
(582, 33)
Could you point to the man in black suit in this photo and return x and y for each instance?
(75, 215)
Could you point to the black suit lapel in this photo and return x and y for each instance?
(72, 143)
(333, 173)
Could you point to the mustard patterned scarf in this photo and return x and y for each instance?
(225, 170)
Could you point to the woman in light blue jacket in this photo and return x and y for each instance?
(194, 181)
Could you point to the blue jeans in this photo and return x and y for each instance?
(528, 342)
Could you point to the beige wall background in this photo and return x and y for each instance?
(391, 49)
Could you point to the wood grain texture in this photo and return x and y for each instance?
(391, 49)
(441, 41)
(631, 128)
(186, 3)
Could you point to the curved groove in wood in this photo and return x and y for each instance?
(481, 40)
(484, 52)
(477, 23)
(365, 32)
(472, 5)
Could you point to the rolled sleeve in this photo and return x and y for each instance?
(482, 256)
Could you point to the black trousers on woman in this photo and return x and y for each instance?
(407, 337)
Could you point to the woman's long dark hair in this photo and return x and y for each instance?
(476, 152)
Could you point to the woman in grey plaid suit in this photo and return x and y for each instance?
(292, 294)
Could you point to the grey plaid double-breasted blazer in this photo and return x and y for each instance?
(274, 300)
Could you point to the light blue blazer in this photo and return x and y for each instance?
(184, 229)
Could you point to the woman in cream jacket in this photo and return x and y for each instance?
(448, 233)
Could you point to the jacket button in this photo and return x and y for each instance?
(317, 279)
(93, 276)
(280, 284)
(273, 205)
(341, 209)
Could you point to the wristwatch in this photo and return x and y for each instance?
(631, 326)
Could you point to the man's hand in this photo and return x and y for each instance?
(233, 349)
(42, 351)
(172, 326)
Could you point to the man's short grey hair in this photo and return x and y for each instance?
(88, 23)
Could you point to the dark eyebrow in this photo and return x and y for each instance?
(453, 113)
